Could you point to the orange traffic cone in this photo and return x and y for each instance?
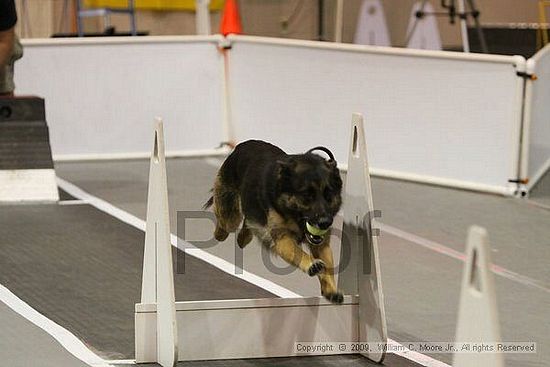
(231, 22)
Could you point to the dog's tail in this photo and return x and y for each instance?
(209, 203)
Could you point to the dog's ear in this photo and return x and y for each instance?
(331, 163)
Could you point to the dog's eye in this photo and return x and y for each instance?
(327, 194)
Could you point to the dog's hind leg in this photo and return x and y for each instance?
(328, 285)
(245, 235)
(227, 209)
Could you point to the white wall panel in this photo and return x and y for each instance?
(433, 116)
(103, 94)
(538, 106)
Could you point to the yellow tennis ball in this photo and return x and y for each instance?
(316, 231)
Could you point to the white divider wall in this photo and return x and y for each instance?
(101, 93)
(444, 118)
(439, 117)
(537, 106)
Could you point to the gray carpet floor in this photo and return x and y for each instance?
(75, 264)
(421, 286)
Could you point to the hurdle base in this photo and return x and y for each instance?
(249, 328)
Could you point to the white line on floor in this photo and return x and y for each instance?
(536, 204)
(220, 263)
(122, 361)
(100, 204)
(447, 251)
(72, 202)
(415, 356)
(68, 340)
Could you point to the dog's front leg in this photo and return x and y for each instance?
(289, 250)
(328, 285)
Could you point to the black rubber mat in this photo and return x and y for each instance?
(24, 136)
(82, 269)
(391, 360)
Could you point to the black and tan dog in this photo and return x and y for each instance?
(285, 200)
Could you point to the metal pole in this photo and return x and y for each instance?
(339, 20)
(321, 19)
(133, 26)
(79, 26)
(480, 34)
(202, 17)
(106, 20)
(542, 22)
(463, 26)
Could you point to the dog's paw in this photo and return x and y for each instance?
(317, 267)
(220, 234)
(335, 297)
(244, 237)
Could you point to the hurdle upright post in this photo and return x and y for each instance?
(158, 274)
(478, 313)
(359, 271)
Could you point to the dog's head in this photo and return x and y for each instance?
(310, 190)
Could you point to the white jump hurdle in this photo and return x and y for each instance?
(478, 313)
(256, 328)
(158, 275)
(363, 276)
(423, 33)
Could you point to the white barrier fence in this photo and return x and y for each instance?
(537, 117)
(98, 90)
(438, 117)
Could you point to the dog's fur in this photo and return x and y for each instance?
(276, 193)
